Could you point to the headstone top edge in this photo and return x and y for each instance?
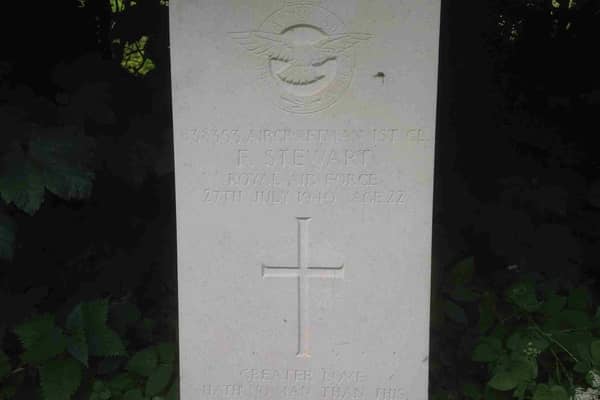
(302, 2)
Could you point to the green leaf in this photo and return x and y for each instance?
(595, 351)
(463, 271)
(135, 59)
(65, 157)
(522, 294)
(519, 392)
(41, 338)
(472, 391)
(503, 381)
(577, 343)
(553, 305)
(487, 312)
(104, 342)
(527, 342)
(159, 379)
(60, 379)
(21, 182)
(143, 362)
(583, 350)
(117, 6)
(7, 237)
(512, 372)
(489, 349)
(570, 319)
(173, 393)
(582, 367)
(121, 383)
(88, 321)
(166, 353)
(55, 159)
(4, 365)
(523, 369)
(579, 299)
(455, 312)
(98, 386)
(134, 394)
(110, 365)
(547, 392)
(77, 346)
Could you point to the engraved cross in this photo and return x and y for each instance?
(303, 272)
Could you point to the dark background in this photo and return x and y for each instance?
(517, 172)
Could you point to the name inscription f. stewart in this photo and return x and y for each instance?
(303, 272)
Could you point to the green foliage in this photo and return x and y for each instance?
(21, 181)
(159, 379)
(60, 378)
(522, 294)
(157, 364)
(88, 347)
(54, 159)
(510, 372)
(489, 349)
(62, 131)
(472, 391)
(135, 59)
(550, 392)
(166, 353)
(42, 339)
(143, 362)
(535, 341)
(595, 351)
(173, 393)
(117, 6)
(87, 323)
(55, 144)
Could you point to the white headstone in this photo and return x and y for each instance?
(304, 144)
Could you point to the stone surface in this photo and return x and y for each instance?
(304, 140)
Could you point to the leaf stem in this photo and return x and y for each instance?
(562, 366)
(550, 338)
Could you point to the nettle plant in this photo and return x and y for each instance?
(547, 349)
(88, 359)
(534, 340)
